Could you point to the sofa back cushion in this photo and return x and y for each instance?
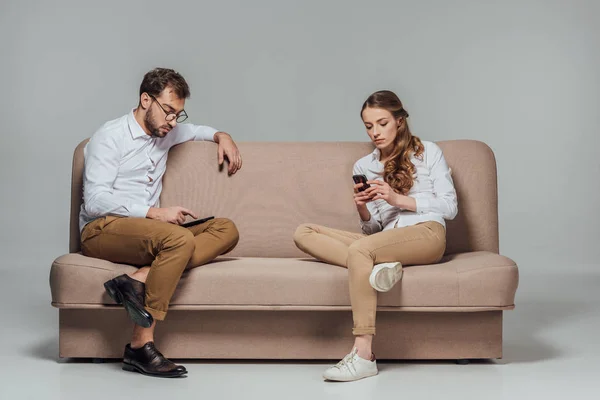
(283, 185)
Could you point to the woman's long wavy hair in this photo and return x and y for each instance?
(398, 171)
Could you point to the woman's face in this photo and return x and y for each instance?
(381, 126)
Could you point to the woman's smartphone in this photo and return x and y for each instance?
(361, 179)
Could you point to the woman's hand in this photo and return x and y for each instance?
(381, 190)
(362, 198)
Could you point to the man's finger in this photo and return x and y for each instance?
(221, 158)
(231, 159)
(226, 155)
(235, 161)
(185, 211)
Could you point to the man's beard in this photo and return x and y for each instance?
(154, 128)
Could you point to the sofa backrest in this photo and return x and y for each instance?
(283, 185)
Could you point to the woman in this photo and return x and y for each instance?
(402, 215)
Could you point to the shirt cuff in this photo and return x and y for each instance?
(369, 226)
(423, 205)
(139, 211)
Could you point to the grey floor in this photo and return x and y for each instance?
(551, 349)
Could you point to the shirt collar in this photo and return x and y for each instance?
(376, 154)
(134, 128)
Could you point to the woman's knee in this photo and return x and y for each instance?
(359, 251)
(302, 232)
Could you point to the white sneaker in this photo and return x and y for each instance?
(385, 276)
(351, 368)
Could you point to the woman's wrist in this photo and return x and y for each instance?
(363, 212)
(406, 203)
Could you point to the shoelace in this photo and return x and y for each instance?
(158, 355)
(347, 361)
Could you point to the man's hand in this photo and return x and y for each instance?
(228, 149)
(173, 215)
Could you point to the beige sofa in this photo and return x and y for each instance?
(268, 300)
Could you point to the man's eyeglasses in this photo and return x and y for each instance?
(170, 116)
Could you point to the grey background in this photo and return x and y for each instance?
(522, 76)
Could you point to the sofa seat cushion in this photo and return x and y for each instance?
(477, 279)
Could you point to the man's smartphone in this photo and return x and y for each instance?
(196, 222)
(361, 179)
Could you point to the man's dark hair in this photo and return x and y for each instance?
(158, 79)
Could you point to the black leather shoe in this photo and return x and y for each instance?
(131, 293)
(148, 360)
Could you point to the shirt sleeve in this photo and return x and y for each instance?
(102, 157)
(445, 202)
(204, 133)
(373, 225)
(189, 132)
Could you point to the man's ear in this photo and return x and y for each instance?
(145, 100)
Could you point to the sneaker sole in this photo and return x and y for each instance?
(383, 278)
(351, 379)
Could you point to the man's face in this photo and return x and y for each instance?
(162, 107)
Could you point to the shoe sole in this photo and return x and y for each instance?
(139, 317)
(349, 379)
(384, 277)
(113, 291)
(133, 368)
(142, 318)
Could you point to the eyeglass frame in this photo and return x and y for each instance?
(175, 116)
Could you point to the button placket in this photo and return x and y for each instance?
(150, 169)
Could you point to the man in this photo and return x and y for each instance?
(121, 219)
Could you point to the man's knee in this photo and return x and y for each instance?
(181, 239)
(233, 233)
(229, 231)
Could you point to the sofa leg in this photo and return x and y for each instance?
(462, 361)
